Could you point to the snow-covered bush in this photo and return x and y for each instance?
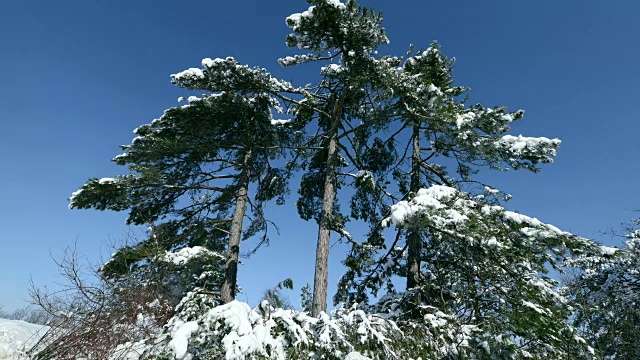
(427, 332)
(235, 331)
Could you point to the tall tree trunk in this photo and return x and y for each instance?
(413, 238)
(228, 291)
(320, 281)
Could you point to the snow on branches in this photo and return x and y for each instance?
(229, 75)
(234, 331)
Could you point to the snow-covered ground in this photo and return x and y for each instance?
(16, 336)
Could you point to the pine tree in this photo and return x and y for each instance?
(442, 126)
(191, 169)
(353, 82)
(487, 268)
(457, 263)
(606, 293)
(444, 133)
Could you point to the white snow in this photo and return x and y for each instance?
(189, 73)
(180, 338)
(296, 59)
(295, 18)
(332, 70)
(128, 351)
(535, 307)
(520, 145)
(336, 3)
(267, 332)
(608, 250)
(491, 191)
(443, 206)
(185, 255)
(356, 356)
(426, 199)
(207, 62)
(363, 174)
(105, 181)
(121, 156)
(18, 336)
(73, 197)
(280, 121)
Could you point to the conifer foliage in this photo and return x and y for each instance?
(191, 169)
(392, 139)
(606, 293)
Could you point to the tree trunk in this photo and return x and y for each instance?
(413, 238)
(320, 281)
(228, 291)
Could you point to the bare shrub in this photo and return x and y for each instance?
(92, 314)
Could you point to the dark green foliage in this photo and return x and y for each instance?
(606, 292)
(188, 167)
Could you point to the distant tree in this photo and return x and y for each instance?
(30, 314)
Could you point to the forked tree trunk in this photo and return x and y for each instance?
(228, 290)
(413, 238)
(320, 280)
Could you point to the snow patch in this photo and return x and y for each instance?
(280, 121)
(17, 337)
(180, 338)
(105, 181)
(189, 74)
(608, 250)
(521, 145)
(184, 255)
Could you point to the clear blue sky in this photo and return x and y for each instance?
(78, 76)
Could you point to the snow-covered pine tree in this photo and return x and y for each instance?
(606, 295)
(435, 132)
(344, 38)
(192, 168)
(467, 267)
(485, 271)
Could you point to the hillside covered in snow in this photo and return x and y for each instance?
(17, 336)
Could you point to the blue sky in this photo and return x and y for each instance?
(79, 76)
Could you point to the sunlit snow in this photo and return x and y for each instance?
(18, 336)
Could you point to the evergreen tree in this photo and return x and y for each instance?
(606, 294)
(345, 37)
(447, 144)
(458, 263)
(191, 169)
(486, 267)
